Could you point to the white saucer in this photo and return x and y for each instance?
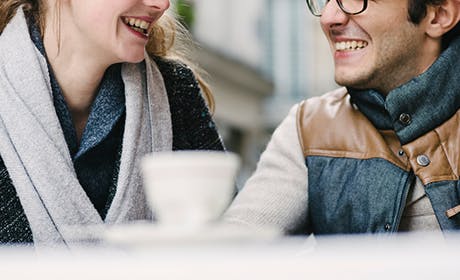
(152, 234)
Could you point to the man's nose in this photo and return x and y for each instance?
(333, 15)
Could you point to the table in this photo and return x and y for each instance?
(421, 256)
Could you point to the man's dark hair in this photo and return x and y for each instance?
(417, 11)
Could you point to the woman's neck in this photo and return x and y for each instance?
(78, 75)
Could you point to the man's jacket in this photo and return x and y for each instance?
(359, 176)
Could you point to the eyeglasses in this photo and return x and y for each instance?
(350, 7)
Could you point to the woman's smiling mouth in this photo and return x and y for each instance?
(138, 25)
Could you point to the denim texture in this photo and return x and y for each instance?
(445, 195)
(355, 196)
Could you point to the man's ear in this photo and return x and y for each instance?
(442, 18)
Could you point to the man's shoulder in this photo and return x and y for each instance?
(336, 95)
(330, 102)
(330, 125)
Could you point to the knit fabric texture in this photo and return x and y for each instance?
(96, 158)
(14, 227)
(192, 125)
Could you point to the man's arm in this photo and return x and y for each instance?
(276, 194)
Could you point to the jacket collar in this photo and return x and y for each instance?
(428, 99)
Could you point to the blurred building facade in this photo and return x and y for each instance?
(262, 56)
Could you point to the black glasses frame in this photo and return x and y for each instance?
(339, 2)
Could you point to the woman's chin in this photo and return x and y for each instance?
(132, 56)
(133, 59)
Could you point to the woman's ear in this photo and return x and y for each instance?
(442, 18)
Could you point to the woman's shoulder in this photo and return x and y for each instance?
(176, 71)
(180, 82)
(193, 127)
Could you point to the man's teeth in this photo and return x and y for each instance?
(350, 45)
(138, 24)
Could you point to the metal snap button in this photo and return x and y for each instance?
(423, 160)
(387, 227)
(401, 153)
(405, 119)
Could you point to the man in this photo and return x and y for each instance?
(381, 154)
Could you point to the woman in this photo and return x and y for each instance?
(88, 88)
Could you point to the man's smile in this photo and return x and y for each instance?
(350, 45)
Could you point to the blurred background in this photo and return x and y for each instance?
(262, 57)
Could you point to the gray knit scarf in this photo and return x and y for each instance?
(34, 150)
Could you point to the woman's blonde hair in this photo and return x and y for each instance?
(167, 39)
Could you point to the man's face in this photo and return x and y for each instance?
(379, 48)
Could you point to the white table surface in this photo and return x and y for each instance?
(340, 257)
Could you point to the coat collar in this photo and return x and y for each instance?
(428, 99)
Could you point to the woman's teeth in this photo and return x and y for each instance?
(138, 25)
(350, 45)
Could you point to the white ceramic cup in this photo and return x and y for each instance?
(189, 188)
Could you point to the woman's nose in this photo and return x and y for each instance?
(161, 5)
